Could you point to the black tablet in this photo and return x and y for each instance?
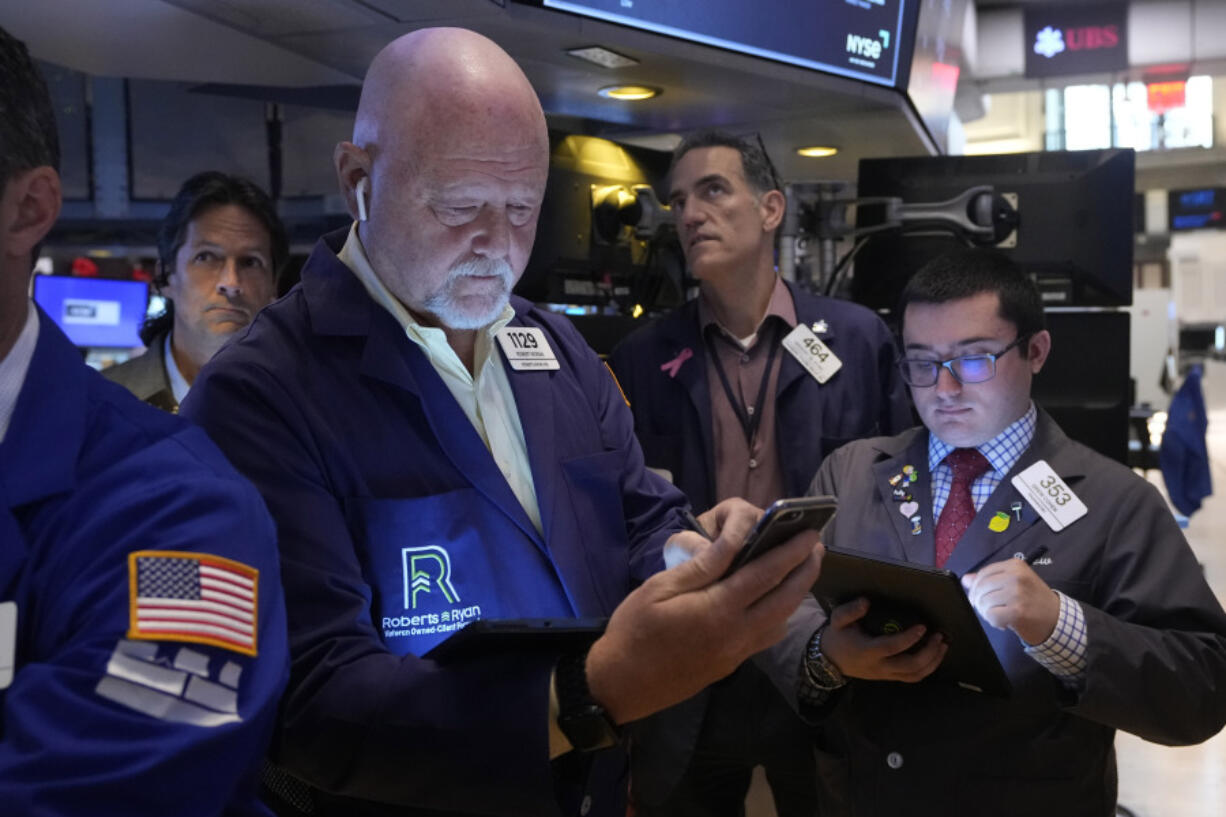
(491, 635)
(901, 594)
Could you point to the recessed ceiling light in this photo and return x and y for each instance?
(602, 57)
(817, 152)
(628, 92)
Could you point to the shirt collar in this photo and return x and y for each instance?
(780, 306)
(15, 366)
(430, 338)
(178, 383)
(1001, 452)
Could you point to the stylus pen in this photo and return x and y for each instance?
(694, 524)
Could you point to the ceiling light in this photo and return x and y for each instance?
(817, 151)
(628, 92)
(602, 57)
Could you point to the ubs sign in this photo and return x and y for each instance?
(1062, 40)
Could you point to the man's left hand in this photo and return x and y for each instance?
(1010, 595)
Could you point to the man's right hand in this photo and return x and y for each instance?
(879, 658)
(683, 629)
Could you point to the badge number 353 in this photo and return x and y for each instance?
(1056, 489)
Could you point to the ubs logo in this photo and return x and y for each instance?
(1049, 41)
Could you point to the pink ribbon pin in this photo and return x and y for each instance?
(673, 366)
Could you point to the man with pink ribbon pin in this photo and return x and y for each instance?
(743, 391)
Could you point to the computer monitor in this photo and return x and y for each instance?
(1074, 231)
(94, 312)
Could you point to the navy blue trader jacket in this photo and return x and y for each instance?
(672, 413)
(396, 527)
(150, 625)
(1184, 456)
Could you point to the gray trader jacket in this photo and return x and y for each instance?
(1156, 654)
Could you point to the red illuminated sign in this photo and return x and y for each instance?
(1166, 96)
(1091, 37)
(945, 76)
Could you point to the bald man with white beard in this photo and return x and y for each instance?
(434, 451)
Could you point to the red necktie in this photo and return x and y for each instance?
(967, 464)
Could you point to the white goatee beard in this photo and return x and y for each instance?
(471, 312)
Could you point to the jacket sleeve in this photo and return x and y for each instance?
(1156, 633)
(357, 720)
(99, 723)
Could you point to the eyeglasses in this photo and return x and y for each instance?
(922, 374)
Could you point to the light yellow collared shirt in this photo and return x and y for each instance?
(485, 395)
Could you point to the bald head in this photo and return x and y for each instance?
(432, 83)
(449, 159)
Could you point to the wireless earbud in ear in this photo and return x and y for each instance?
(360, 192)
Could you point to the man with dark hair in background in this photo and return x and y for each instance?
(1098, 611)
(142, 626)
(219, 250)
(742, 392)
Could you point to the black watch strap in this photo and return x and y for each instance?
(582, 720)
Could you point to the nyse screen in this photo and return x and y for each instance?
(864, 39)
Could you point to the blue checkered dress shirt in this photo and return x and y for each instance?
(1064, 652)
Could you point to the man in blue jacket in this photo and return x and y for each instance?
(435, 451)
(142, 628)
(742, 392)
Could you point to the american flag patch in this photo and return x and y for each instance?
(179, 596)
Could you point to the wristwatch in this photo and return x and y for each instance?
(820, 670)
(583, 721)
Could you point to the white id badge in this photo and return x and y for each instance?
(527, 348)
(1049, 496)
(8, 642)
(814, 355)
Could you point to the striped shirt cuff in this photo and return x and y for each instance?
(1063, 654)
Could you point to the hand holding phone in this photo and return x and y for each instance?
(783, 520)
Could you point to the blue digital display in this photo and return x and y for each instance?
(1196, 209)
(1196, 198)
(1196, 221)
(94, 312)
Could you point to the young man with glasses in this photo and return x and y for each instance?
(1104, 623)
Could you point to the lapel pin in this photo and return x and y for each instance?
(999, 522)
(915, 525)
(673, 366)
(820, 327)
(901, 495)
(894, 480)
(909, 509)
(1016, 507)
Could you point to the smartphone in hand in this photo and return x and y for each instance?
(783, 520)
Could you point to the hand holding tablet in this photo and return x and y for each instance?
(908, 597)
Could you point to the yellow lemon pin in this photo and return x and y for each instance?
(999, 522)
